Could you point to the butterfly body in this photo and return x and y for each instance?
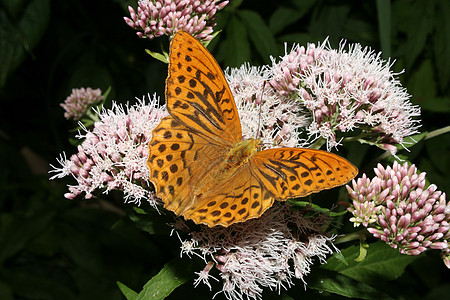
(199, 163)
(241, 152)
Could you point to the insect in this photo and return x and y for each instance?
(201, 167)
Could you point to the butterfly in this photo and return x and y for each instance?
(201, 167)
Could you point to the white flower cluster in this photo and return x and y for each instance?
(265, 252)
(346, 91)
(262, 112)
(113, 155)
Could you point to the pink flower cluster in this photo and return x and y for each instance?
(78, 103)
(263, 252)
(396, 207)
(346, 91)
(155, 18)
(113, 155)
(275, 120)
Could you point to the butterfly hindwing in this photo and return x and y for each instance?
(238, 198)
(273, 174)
(297, 172)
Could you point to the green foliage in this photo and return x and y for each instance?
(365, 279)
(149, 221)
(127, 292)
(174, 274)
(161, 57)
(338, 284)
(23, 25)
(381, 263)
(384, 26)
(54, 248)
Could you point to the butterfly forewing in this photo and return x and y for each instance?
(297, 172)
(197, 93)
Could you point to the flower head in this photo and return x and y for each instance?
(262, 112)
(155, 18)
(446, 257)
(396, 207)
(265, 252)
(78, 103)
(346, 90)
(113, 155)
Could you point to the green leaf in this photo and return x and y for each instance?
(384, 26)
(283, 17)
(90, 73)
(172, 275)
(234, 5)
(357, 152)
(341, 258)
(303, 6)
(214, 35)
(422, 86)
(317, 208)
(363, 246)
(106, 94)
(19, 36)
(149, 221)
(359, 30)
(441, 162)
(329, 21)
(260, 34)
(381, 263)
(441, 43)
(333, 282)
(127, 292)
(237, 48)
(21, 232)
(411, 140)
(164, 57)
(420, 24)
(139, 210)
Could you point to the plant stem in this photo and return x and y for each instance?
(357, 235)
(437, 132)
(317, 144)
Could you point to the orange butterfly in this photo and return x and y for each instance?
(201, 167)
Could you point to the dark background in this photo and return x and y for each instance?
(54, 248)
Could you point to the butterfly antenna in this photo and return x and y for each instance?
(260, 109)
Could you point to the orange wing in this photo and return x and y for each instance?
(273, 174)
(297, 172)
(188, 146)
(239, 198)
(197, 93)
(179, 160)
